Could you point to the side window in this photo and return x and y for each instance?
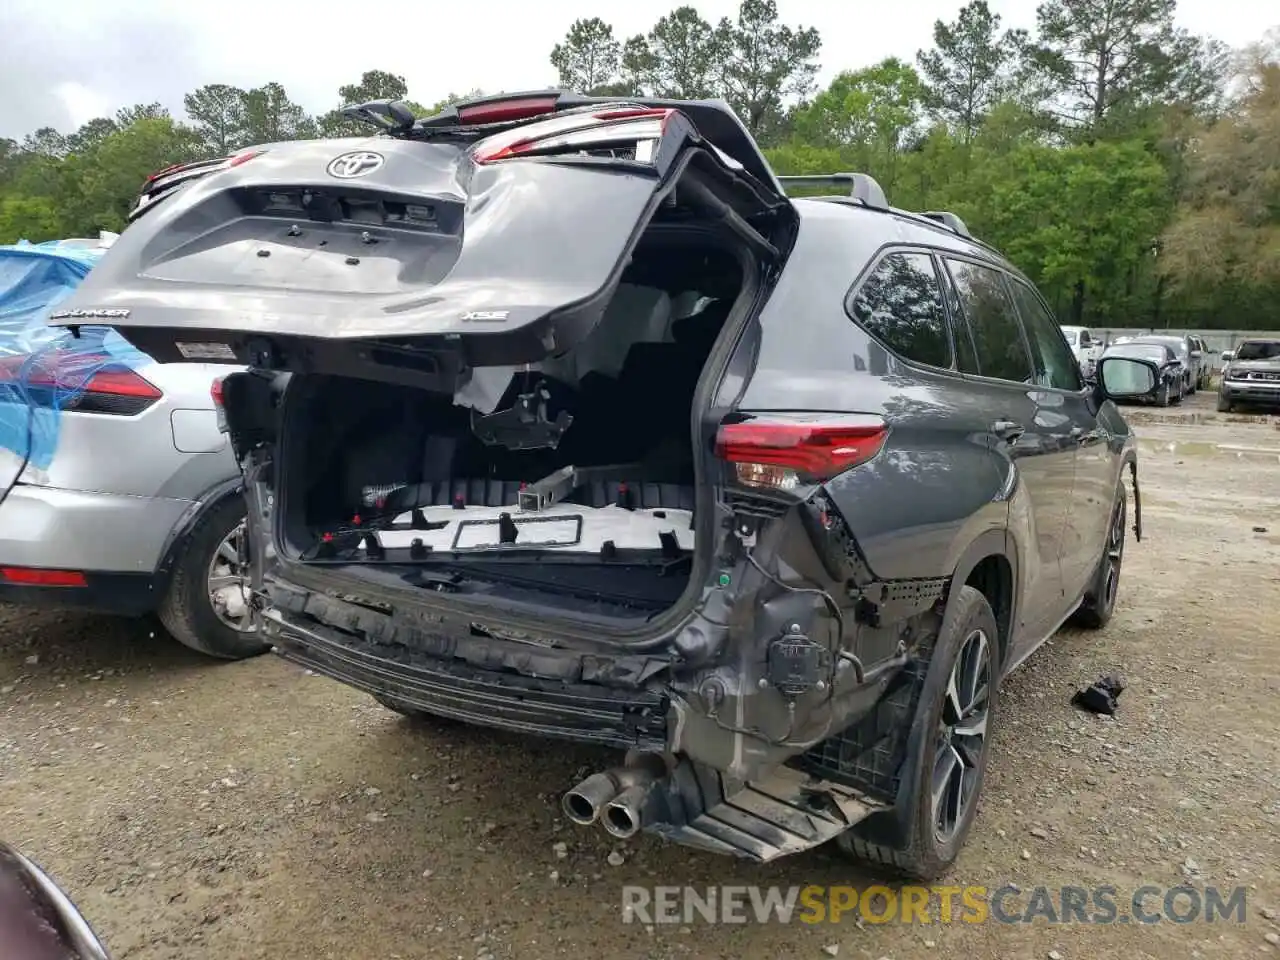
(1055, 364)
(900, 303)
(966, 356)
(997, 335)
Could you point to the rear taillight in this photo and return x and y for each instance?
(782, 452)
(84, 383)
(40, 577)
(578, 132)
(215, 394)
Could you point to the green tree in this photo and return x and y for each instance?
(218, 112)
(1079, 220)
(1225, 240)
(680, 58)
(765, 64)
(45, 142)
(101, 185)
(127, 116)
(91, 134)
(28, 218)
(635, 69)
(967, 67)
(868, 114)
(589, 56)
(270, 116)
(1104, 59)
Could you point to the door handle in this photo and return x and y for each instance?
(1008, 430)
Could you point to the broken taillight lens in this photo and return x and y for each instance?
(781, 452)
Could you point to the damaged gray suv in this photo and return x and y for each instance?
(561, 416)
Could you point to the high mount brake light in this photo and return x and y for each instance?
(84, 383)
(782, 453)
(505, 111)
(245, 157)
(574, 131)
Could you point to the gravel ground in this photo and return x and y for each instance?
(201, 810)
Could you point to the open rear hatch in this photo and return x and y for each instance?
(468, 240)
(496, 327)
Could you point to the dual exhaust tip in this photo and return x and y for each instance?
(621, 799)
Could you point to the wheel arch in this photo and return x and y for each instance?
(990, 565)
(179, 536)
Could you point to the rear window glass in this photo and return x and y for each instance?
(900, 303)
(997, 334)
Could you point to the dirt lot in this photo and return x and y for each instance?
(251, 810)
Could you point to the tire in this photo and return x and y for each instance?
(1162, 395)
(187, 610)
(1100, 599)
(1224, 405)
(1177, 397)
(926, 853)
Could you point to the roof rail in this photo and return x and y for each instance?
(948, 220)
(862, 187)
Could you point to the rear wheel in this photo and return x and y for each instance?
(1100, 601)
(1162, 395)
(954, 719)
(207, 606)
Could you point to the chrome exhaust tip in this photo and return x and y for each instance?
(624, 815)
(585, 803)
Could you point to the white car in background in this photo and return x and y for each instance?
(1085, 346)
(118, 493)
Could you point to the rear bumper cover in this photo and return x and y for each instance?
(80, 530)
(124, 594)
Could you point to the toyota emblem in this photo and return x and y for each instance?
(352, 165)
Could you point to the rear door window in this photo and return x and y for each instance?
(1052, 360)
(997, 335)
(900, 304)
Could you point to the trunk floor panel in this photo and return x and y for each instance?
(563, 527)
(496, 493)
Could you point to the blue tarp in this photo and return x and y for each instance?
(43, 368)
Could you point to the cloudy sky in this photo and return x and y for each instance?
(63, 62)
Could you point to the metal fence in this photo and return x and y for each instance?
(1217, 340)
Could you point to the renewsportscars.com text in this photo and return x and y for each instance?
(932, 904)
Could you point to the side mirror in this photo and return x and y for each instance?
(1228, 356)
(37, 921)
(1125, 378)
